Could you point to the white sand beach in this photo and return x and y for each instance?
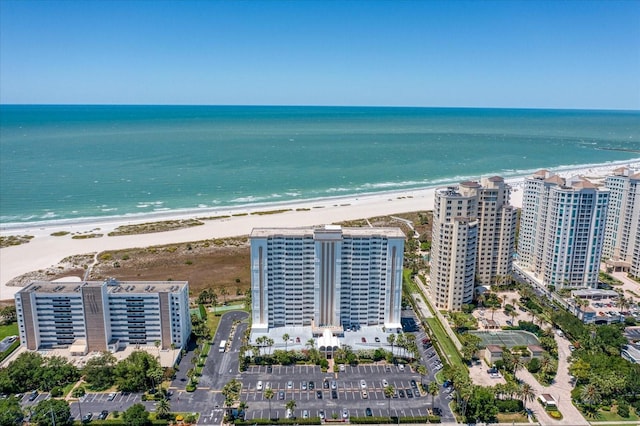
(45, 250)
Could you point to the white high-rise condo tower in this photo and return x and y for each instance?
(330, 277)
(622, 233)
(562, 230)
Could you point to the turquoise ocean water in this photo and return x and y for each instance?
(76, 162)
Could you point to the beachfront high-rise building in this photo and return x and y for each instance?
(562, 230)
(622, 233)
(103, 315)
(473, 239)
(330, 277)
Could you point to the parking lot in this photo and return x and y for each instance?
(355, 389)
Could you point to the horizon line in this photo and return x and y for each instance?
(2, 104)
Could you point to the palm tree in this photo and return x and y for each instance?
(391, 339)
(433, 390)
(268, 393)
(518, 363)
(590, 395)
(389, 391)
(269, 341)
(311, 343)
(527, 394)
(422, 371)
(163, 408)
(242, 407)
(291, 405)
(285, 337)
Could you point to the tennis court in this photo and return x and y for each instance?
(508, 338)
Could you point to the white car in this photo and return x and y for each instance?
(259, 385)
(363, 384)
(385, 383)
(289, 384)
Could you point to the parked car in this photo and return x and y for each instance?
(112, 396)
(103, 415)
(368, 412)
(87, 418)
(33, 396)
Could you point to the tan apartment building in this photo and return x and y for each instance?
(473, 239)
(103, 315)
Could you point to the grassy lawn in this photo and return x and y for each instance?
(407, 282)
(212, 322)
(445, 342)
(512, 418)
(8, 330)
(221, 309)
(612, 416)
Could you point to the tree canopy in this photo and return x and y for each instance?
(52, 412)
(136, 415)
(10, 412)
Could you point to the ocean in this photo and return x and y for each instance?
(78, 162)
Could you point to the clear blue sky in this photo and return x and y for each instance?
(538, 54)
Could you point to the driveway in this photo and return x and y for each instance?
(560, 390)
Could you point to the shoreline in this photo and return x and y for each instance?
(14, 228)
(45, 250)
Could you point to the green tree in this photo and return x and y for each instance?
(391, 340)
(163, 409)
(433, 390)
(581, 370)
(526, 393)
(25, 371)
(291, 405)
(52, 412)
(10, 412)
(132, 373)
(8, 314)
(590, 395)
(57, 371)
(268, 394)
(79, 392)
(481, 406)
(136, 415)
(286, 338)
(422, 371)
(99, 371)
(389, 391)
